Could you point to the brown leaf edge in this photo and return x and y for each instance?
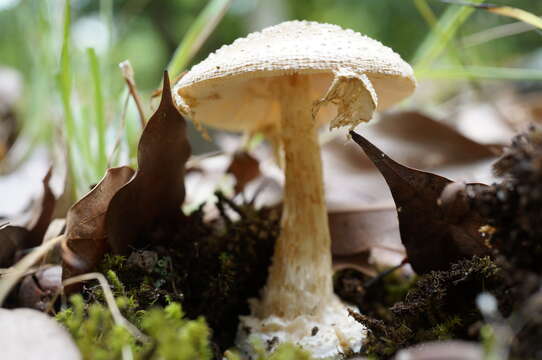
(244, 168)
(434, 233)
(85, 242)
(17, 238)
(156, 192)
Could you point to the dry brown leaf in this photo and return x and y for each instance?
(414, 140)
(434, 234)
(378, 225)
(354, 183)
(42, 214)
(86, 234)
(359, 236)
(245, 168)
(156, 192)
(12, 239)
(18, 238)
(30, 334)
(38, 290)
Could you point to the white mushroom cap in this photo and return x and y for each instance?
(232, 89)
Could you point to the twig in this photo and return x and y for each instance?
(222, 210)
(128, 75)
(230, 203)
(383, 274)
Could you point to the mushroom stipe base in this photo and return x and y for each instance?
(330, 334)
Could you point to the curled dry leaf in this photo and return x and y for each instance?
(30, 334)
(435, 234)
(156, 192)
(376, 223)
(442, 350)
(85, 242)
(410, 138)
(12, 239)
(38, 290)
(42, 214)
(18, 238)
(361, 235)
(245, 168)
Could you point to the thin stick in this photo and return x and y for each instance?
(110, 300)
(383, 274)
(9, 280)
(128, 75)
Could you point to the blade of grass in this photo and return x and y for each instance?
(64, 84)
(444, 31)
(497, 32)
(517, 14)
(120, 132)
(64, 78)
(198, 32)
(99, 111)
(509, 11)
(426, 12)
(84, 147)
(481, 72)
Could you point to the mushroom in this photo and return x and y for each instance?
(284, 82)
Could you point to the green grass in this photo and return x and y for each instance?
(91, 99)
(480, 72)
(99, 110)
(439, 38)
(196, 35)
(84, 106)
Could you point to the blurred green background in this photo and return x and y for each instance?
(147, 32)
(467, 45)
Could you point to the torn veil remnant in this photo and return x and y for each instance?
(285, 81)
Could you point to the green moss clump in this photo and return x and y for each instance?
(171, 335)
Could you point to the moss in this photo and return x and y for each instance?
(94, 331)
(439, 305)
(512, 206)
(373, 297)
(172, 336)
(211, 268)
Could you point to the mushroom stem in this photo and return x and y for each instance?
(300, 278)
